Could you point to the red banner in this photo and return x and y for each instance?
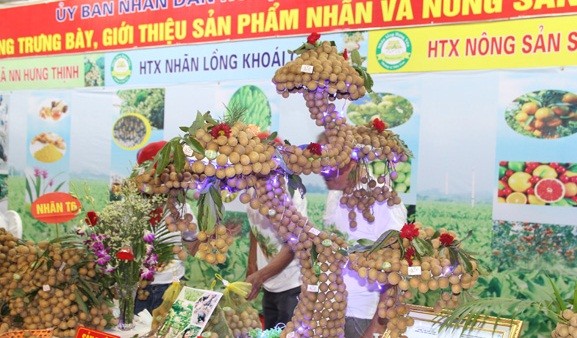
(86, 26)
(83, 332)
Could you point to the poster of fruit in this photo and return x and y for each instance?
(190, 313)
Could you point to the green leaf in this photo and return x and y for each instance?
(365, 242)
(575, 297)
(162, 158)
(81, 304)
(194, 145)
(356, 57)
(208, 118)
(198, 123)
(178, 156)
(295, 183)
(465, 261)
(423, 247)
(558, 299)
(383, 239)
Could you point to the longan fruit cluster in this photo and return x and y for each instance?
(41, 287)
(214, 244)
(240, 153)
(437, 273)
(242, 321)
(567, 326)
(395, 310)
(330, 72)
(322, 303)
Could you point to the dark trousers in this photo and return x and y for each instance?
(278, 307)
(156, 291)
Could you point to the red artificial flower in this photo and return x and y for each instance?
(313, 38)
(91, 218)
(125, 254)
(221, 129)
(315, 148)
(379, 125)
(446, 239)
(409, 255)
(345, 54)
(409, 231)
(156, 216)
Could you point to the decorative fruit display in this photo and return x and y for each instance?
(229, 155)
(537, 183)
(49, 285)
(391, 108)
(416, 259)
(544, 114)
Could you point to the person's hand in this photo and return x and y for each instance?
(191, 246)
(256, 280)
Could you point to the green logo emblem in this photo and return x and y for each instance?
(394, 50)
(121, 68)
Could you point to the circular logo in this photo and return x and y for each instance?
(121, 68)
(394, 50)
(131, 131)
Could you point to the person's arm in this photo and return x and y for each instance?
(276, 265)
(251, 264)
(377, 325)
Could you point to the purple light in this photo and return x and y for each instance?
(355, 154)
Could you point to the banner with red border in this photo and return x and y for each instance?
(79, 26)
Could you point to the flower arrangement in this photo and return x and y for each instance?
(128, 242)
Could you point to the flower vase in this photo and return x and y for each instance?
(126, 299)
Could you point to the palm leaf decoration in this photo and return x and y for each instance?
(489, 310)
(484, 312)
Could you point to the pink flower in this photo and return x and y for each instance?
(379, 125)
(446, 239)
(315, 148)
(148, 237)
(313, 38)
(409, 231)
(220, 129)
(91, 218)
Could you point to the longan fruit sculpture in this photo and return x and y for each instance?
(214, 156)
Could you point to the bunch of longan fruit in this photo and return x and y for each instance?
(44, 286)
(324, 69)
(214, 244)
(242, 320)
(567, 326)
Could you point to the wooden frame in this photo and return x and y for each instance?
(427, 325)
